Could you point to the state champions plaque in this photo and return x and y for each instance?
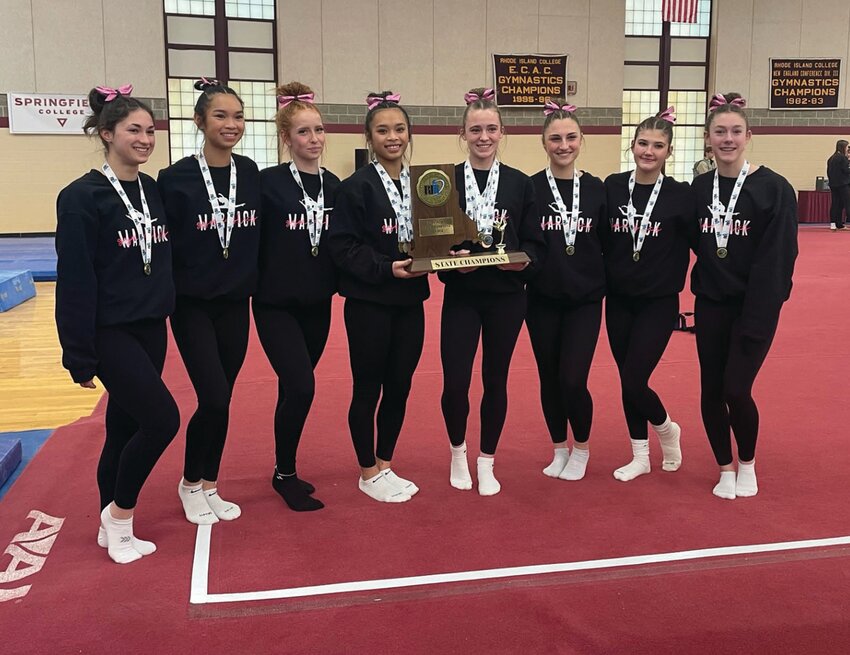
(439, 223)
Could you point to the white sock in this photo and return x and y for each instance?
(400, 483)
(144, 547)
(119, 537)
(195, 504)
(488, 485)
(577, 466)
(726, 487)
(223, 509)
(746, 484)
(639, 464)
(559, 462)
(671, 452)
(379, 488)
(460, 477)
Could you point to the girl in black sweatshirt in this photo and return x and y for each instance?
(113, 292)
(746, 250)
(646, 259)
(565, 297)
(486, 303)
(213, 204)
(369, 239)
(292, 305)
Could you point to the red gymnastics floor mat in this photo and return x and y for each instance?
(547, 566)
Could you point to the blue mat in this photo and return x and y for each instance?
(34, 254)
(15, 287)
(31, 441)
(10, 456)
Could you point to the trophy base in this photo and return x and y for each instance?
(436, 264)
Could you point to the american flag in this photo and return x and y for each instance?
(679, 11)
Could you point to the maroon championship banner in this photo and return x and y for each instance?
(529, 80)
(804, 83)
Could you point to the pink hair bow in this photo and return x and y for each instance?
(110, 93)
(283, 101)
(668, 114)
(718, 100)
(551, 107)
(470, 96)
(374, 101)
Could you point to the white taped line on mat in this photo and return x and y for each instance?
(200, 593)
(201, 566)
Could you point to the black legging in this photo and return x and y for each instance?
(638, 331)
(840, 204)
(212, 336)
(293, 338)
(496, 319)
(141, 415)
(563, 336)
(384, 346)
(728, 364)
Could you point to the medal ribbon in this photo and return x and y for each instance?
(569, 220)
(723, 227)
(315, 209)
(224, 230)
(399, 202)
(639, 234)
(481, 207)
(141, 219)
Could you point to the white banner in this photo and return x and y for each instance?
(47, 113)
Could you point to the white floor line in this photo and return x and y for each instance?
(200, 589)
(201, 566)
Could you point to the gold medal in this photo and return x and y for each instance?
(722, 252)
(147, 269)
(225, 253)
(571, 250)
(314, 251)
(636, 256)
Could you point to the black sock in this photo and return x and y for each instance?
(294, 494)
(306, 486)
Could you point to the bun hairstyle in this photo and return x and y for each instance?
(662, 121)
(291, 98)
(722, 103)
(110, 107)
(557, 109)
(376, 101)
(210, 87)
(480, 98)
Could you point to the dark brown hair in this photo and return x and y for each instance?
(106, 115)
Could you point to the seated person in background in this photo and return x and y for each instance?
(705, 164)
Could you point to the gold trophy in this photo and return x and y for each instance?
(439, 224)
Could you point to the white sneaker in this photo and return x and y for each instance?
(833, 226)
